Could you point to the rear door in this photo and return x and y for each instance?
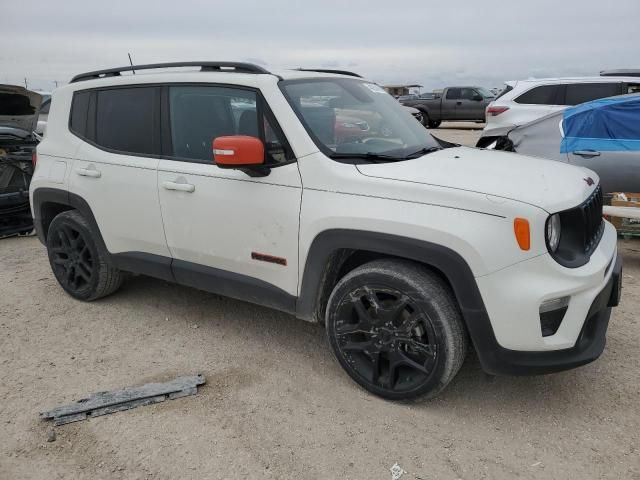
(116, 166)
(227, 231)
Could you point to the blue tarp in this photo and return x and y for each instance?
(606, 125)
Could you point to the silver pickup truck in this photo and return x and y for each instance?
(455, 103)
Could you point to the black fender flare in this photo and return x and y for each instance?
(138, 262)
(441, 258)
(445, 260)
(44, 195)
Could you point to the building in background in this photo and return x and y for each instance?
(398, 90)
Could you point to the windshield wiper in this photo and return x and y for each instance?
(373, 157)
(423, 151)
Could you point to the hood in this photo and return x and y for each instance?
(19, 107)
(550, 185)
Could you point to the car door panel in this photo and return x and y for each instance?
(121, 191)
(229, 221)
(618, 171)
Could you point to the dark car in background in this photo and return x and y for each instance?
(455, 103)
(19, 110)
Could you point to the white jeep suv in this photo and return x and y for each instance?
(247, 183)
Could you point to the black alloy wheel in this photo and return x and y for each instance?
(78, 258)
(396, 329)
(71, 258)
(386, 338)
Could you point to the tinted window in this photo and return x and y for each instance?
(79, 109)
(453, 94)
(633, 88)
(127, 120)
(544, 95)
(505, 90)
(199, 114)
(468, 93)
(44, 108)
(585, 92)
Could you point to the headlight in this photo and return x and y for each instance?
(554, 229)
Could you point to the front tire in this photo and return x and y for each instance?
(79, 263)
(434, 123)
(396, 329)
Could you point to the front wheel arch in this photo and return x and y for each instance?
(330, 251)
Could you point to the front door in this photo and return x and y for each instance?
(470, 106)
(618, 171)
(227, 231)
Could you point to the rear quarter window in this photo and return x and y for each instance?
(542, 95)
(506, 90)
(79, 111)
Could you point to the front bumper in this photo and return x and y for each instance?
(588, 347)
(507, 330)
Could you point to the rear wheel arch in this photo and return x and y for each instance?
(50, 202)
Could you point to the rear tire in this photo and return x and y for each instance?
(396, 328)
(78, 261)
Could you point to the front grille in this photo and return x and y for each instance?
(591, 211)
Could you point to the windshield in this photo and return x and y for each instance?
(350, 117)
(484, 92)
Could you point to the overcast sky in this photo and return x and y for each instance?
(431, 43)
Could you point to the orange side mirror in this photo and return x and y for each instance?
(237, 151)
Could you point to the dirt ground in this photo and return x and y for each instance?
(276, 404)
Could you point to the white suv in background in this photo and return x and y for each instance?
(523, 101)
(410, 250)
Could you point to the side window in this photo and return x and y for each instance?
(44, 108)
(79, 111)
(504, 91)
(453, 94)
(585, 92)
(127, 120)
(632, 88)
(200, 114)
(468, 93)
(543, 95)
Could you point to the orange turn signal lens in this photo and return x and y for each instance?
(523, 235)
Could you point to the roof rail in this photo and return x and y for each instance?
(621, 72)
(327, 70)
(204, 67)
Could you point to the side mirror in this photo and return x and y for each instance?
(478, 98)
(238, 151)
(241, 152)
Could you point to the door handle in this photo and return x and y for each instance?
(88, 172)
(458, 102)
(181, 187)
(587, 153)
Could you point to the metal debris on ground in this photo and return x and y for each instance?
(104, 403)
(396, 471)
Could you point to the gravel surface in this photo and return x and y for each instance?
(276, 404)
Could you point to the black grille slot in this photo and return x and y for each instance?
(593, 225)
